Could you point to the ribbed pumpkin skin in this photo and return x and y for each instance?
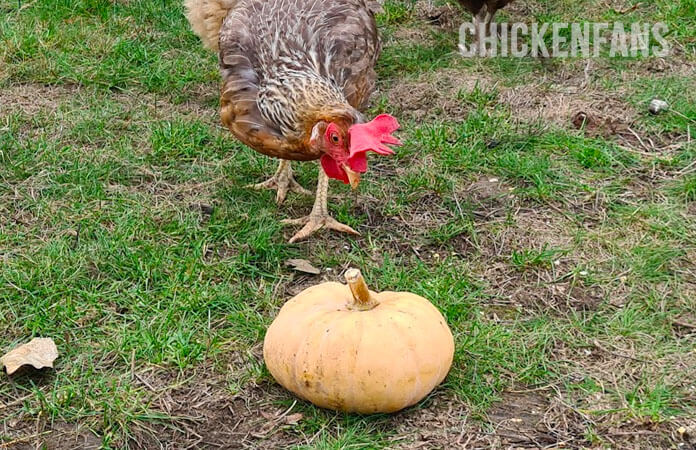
(380, 360)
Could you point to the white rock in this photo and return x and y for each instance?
(657, 106)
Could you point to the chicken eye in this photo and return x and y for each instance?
(334, 138)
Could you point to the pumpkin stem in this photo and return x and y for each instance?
(362, 299)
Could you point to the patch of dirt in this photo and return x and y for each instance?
(197, 410)
(536, 290)
(438, 94)
(535, 228)
(55, 436)
(420, 35)
(645, 435)
(191, 195)
(531, 419)
(434, 95)
(203, 104)
(672, 66)
(537, 419)
(30, 99)
(528, 419)
(548, 286)
(205, 415)
(597, 125)
(200, 410)
(21, 430)
(371, 209)
(489, 192)
(560, 102)
(447, 16)
(439, 422)
(427, 211)
(617, 364)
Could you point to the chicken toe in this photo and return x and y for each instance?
(283, 181)
(315, 223)
(319, 217)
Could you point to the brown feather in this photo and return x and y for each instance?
(287, 64)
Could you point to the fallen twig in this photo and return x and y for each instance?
(679, 323)
(23, 439)
(15, 402)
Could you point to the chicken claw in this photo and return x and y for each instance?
(283, 181)
(319, 217)
(313, 223)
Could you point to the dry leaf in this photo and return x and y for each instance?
(292, 419)
(302, 265)
(39, 353)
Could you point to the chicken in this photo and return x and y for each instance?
(296, 75)
(483, 12)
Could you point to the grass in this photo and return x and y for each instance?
(562, 258)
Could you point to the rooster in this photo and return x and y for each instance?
(483, 11)
(296, 75)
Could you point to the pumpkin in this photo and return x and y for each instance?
(350, 349)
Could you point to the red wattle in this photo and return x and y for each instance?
(358, 162)
(333, 169)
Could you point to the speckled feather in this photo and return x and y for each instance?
(286, 64)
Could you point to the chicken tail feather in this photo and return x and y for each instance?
(206, 16)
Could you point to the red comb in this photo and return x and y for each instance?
(371, 136)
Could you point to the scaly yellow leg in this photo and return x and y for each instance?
(319, 217)
(283, 181)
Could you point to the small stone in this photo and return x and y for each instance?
(657, 106)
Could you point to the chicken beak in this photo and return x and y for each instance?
(353, 177)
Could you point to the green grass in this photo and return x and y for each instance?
(126, 233)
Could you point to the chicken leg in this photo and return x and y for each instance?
(481, 23)
(283, 181)
(319, 217)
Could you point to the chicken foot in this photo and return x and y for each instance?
(319, 217)
(283, 181)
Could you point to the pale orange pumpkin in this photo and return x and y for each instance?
(350, 349)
